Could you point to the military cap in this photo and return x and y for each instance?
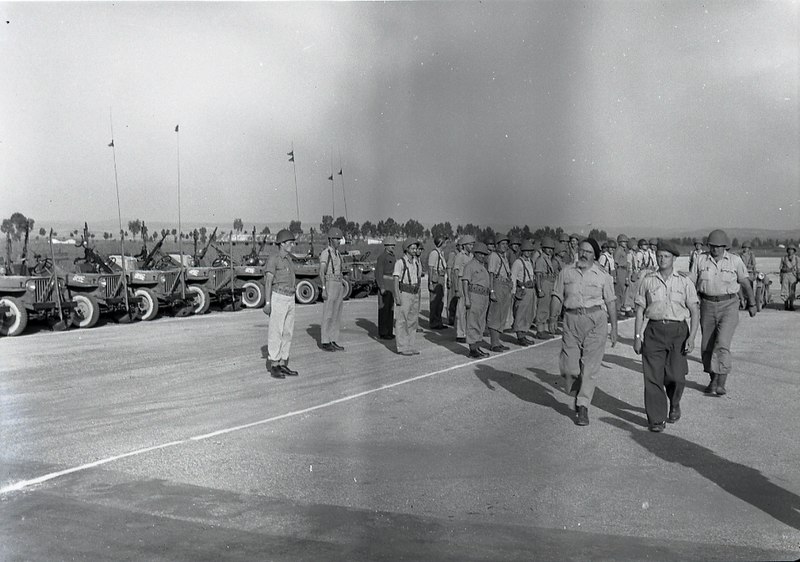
(641, 241)
(548, 242)
(746, 244)
(564, 237)
(480, 248)
(408, 242)
(390, 241)
(467, 239)
(653, 242)
(527, 246)
(664, 246)
(334, 232)
(284, 236)
(612, 243)
(622, 238)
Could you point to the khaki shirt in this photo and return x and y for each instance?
(408, 271)
(544, 265)
(282, 270)
(522, 272)
(475, 272)
(666, 299)
(498, 266)
(577, 288)
(606, 261)
(461, 260)
(717, 278)
(333, 261)
(436, 263)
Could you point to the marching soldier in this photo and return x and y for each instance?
(524, 292)
(545, 271)
(667, 300)
(461, 260)
(789, 274)
(717, 275)
(652, 244)
(333, 287)
(384, 272)
(499, 293)
(407, 279)
(622, 274)
(581, 290)
(749, 260)
(475, 283)
(437, 278)
(452, 285)
(279, 306)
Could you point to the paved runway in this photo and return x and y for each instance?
(167, 440)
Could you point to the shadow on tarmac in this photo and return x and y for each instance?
(624, 362)
(315, 331)
(747, 484)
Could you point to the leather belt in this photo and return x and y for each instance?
(582, 310)
(719, 298)
(283, 291)
(528, 285)
(665, 321)
(406, 288)
(478, 290)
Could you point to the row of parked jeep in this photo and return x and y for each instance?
(145, 286)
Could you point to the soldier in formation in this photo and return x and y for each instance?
(333, 287)
(475, 289)
(718, 275)
(384, 272)
(452, 285)
(437, 279)
(524, 291)
(545, 271)
(749, 260)
(280, 306)
(460, 261)
(789, 273)
(585, 292)
(667, 301)
(499, 293)
(622, 276)
(407, 280)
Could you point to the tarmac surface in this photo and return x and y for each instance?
(167, 440)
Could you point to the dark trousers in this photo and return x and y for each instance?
(385, 314)
(437, 305)
(664, 366)
(451, 310)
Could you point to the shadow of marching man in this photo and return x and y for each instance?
(747, 484)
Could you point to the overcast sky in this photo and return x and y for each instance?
(641, 113)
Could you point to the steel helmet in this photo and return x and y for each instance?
(514, 240)
(564, 237)
(746, 244)
(334, 232)
(284, 236)
(697, 241)
(791, 247)
(622, 238)
(527, 246)
(575, 237)
(641, 241)
(467, 239)
(502, 237)
(409, 242)
(612, 243)
(438, 240)
(490, 241)
(604, 245)
(548, 242)
(653, 242)
(480, 248)
(718, 238)
(390, 241)
(561, 247)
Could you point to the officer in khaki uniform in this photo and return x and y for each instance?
(437, 279)
(499, 293)
(461, 260)
(789, 273)
(718, 275)
(583, 289)
(452, 285)
(407, 280)
(545, 271)
(333, 287)
(279, 290)
(524, 292)
(384, 271)
(622, 274)
(667, 300)
(475, 283)
(749, 260)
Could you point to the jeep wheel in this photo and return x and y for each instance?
(348, 288)
(306, 292)
(199, 298)
(86, 312)
(148, 305)
(253, 295)
(13, 322)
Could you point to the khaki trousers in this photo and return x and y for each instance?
(406, 321)
(281, 328)
(718, 321)
(332, 310)
(582, 347)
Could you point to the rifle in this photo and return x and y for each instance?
(148, 260)
(90, 256)
(199, 257)
(252, 258)
(8, 254)
(23, 268)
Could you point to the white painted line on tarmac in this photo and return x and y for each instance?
(22, 484)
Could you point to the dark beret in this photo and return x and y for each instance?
(595, 246)
(664, 246)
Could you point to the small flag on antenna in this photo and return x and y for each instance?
(111, 143)
(330, 177)
(176, 128)
(290, 155)
(340, 171)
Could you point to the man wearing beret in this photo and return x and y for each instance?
(475, 283)
(718, 275)
(582, 289)
(384, 272)
(667, 300)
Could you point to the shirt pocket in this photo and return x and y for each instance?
(594, 290)
(706, 275)
(728, 276)
(657, 294)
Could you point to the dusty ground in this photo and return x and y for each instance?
(369, 455)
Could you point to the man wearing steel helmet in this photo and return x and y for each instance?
(437, 275)
(667, 300)
(718, 275)
(461, 260)
(279, 290)
(452, 285)
(384, 272)
(545, 271)
(622, 273)
(583, 289)
(407, 279)
(524, 292)
(572, 252)
(698, 249)
(475, 282)
(333, 287)
(499, 293)
(789, 274)
(749, 260)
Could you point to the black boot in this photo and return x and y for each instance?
(583, 416)
(721, 385)
(712, 386)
